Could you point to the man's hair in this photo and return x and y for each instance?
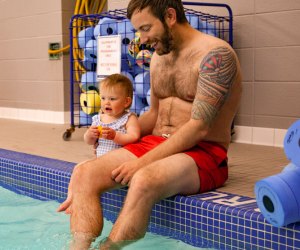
(119, 80)
(158, 8)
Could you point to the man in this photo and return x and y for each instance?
(195, 92)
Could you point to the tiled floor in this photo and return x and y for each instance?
(248, 163)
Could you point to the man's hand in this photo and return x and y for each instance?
(124, 173)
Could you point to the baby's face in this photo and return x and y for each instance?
(113, 100)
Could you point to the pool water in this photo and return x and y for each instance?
(26, 223)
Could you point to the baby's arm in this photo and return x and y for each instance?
(132, 135)
(133, 132)
(91, 135)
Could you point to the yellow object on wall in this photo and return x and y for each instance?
(83, 7)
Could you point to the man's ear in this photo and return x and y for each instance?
(170, 17)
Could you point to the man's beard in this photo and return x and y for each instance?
(166, 42)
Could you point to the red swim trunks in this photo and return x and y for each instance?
(210, 158)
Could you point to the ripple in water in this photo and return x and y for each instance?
(26, 223)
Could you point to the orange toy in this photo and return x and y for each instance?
(100, 131)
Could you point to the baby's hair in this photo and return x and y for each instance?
(119, 80)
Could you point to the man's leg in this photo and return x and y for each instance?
(176, 174)
(89, 180)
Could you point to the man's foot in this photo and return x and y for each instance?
(81, 241)
(108, 244)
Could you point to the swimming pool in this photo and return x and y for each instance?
(28, 223)
(211, 220)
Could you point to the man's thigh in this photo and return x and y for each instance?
(176, 174)
(98, 171)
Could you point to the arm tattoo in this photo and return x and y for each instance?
(216, 76)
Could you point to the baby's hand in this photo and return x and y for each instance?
(100, 131)
(95, 146)
(93, 132)
(108, 133)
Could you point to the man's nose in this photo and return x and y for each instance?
(144, 39)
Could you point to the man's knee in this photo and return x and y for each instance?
(82, 175)
(81, 169)
(145, 185)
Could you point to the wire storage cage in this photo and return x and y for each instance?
(135, 57)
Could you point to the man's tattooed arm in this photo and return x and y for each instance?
(216, 76)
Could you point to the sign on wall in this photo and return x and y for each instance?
(108, 55)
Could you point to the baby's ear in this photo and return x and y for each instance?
(128, 102)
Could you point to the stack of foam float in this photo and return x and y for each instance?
(278, 196)
(135, 62)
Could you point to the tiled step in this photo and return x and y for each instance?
(214, 219)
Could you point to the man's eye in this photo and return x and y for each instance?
(145, 28)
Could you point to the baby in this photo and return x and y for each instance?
(114, 126)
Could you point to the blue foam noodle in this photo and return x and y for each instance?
(89, 81)
(125, 27)
(142, 84)
(278, 197)
(137, 104)
(130, 77)
(136, 69)
(291, 143)
(90, 50)
(194, 21)
(108, 26)
(89, 64)
(149, 97)
(125, 41)
(289, 167)
(125, 64)
(144, 110)
(97, 30)
(209, 28)
(89, 77)
(84, 36)
(126, 30)
(84, 119)
(105, 27)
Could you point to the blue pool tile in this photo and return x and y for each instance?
(204, 220)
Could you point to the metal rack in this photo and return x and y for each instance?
(135, 57)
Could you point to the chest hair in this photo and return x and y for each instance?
(177, 76)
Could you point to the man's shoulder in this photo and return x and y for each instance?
(202, 44)
(210, 42)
